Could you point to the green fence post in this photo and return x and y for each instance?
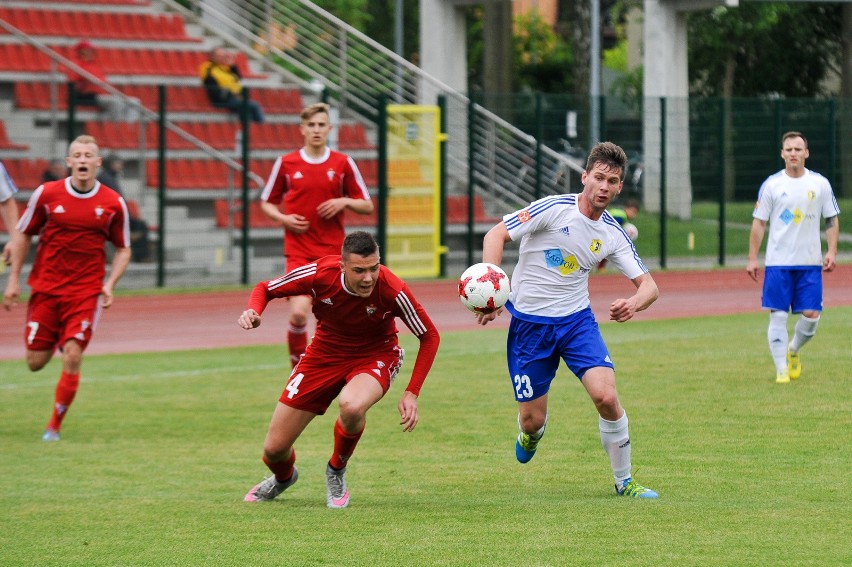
(722, 173)
(71, 127)
(161, 186)
(538, 136)
(382, 173)
(471, 176)
(442, 182)
(244, 149)
(663, 212)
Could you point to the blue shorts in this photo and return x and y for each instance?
(534, 349)
(793, 289)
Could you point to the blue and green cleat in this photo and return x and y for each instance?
(635, 490)
(525, 447)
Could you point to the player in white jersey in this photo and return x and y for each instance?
(563, 238)
(8, 209)
(793, 201)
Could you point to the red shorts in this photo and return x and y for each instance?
(52, 320)
(318, 379)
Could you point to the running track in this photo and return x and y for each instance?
(159, 323)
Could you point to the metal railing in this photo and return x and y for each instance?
(318, 50)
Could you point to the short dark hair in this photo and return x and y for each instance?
(609, 154)
(793, 134)
(360, 243)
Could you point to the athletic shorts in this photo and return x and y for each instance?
(792, 289)
(318, 379)
(535, 348)
(53, 320)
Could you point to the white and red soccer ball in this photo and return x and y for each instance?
(484, 288)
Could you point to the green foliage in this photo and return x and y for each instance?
(158, 452)
(776, 48)
(353, 12)
(542, 58)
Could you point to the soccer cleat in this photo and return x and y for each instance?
(525, 447)
(336, 493)
(782, 377)
(635, 490)
(269, 488)
(794, 365)
(50, 435)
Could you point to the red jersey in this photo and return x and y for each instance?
(303, 183)
(349, 324)
(72, 228)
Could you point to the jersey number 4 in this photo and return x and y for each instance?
(293, 385)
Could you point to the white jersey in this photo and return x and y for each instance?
(560, 246)
(7, 186)
(793, 207)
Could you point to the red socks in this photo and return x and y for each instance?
(344, 446)
(66, 389)
(282, 470)
(297, 341)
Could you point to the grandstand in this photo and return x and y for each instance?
(142, 45)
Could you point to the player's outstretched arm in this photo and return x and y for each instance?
(755, 238)
(250, 319)
(622, 310)
(119, 266)
(20, 247)
(832, 236)
(408, 411)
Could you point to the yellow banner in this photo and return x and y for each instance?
(414, 190)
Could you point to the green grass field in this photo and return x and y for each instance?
(159, 449)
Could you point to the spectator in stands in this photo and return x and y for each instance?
(8, 209)
(316, 185)
(117, 108)
(111, 171)
(223, 81)
(55, 171)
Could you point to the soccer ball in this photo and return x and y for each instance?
(484, 288)
(631, 230)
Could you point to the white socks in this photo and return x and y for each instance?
(805, 330)
(778, 337)
(616, 442)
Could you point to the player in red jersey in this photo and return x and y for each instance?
(316, 185)
(73, 218)
(355, 354)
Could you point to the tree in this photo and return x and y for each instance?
(760, 49)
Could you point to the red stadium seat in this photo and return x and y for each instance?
(5, 143)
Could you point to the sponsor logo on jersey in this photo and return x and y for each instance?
(59, 209)
(786, 216)
(371, 309)
(327, 301)
(99, 211)
(298, 175)
(553, 258)
(596, 246)
(330, 174)
(565, 230)
(524, 216)
(798, 216)
(811, 195)
(569, 265)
